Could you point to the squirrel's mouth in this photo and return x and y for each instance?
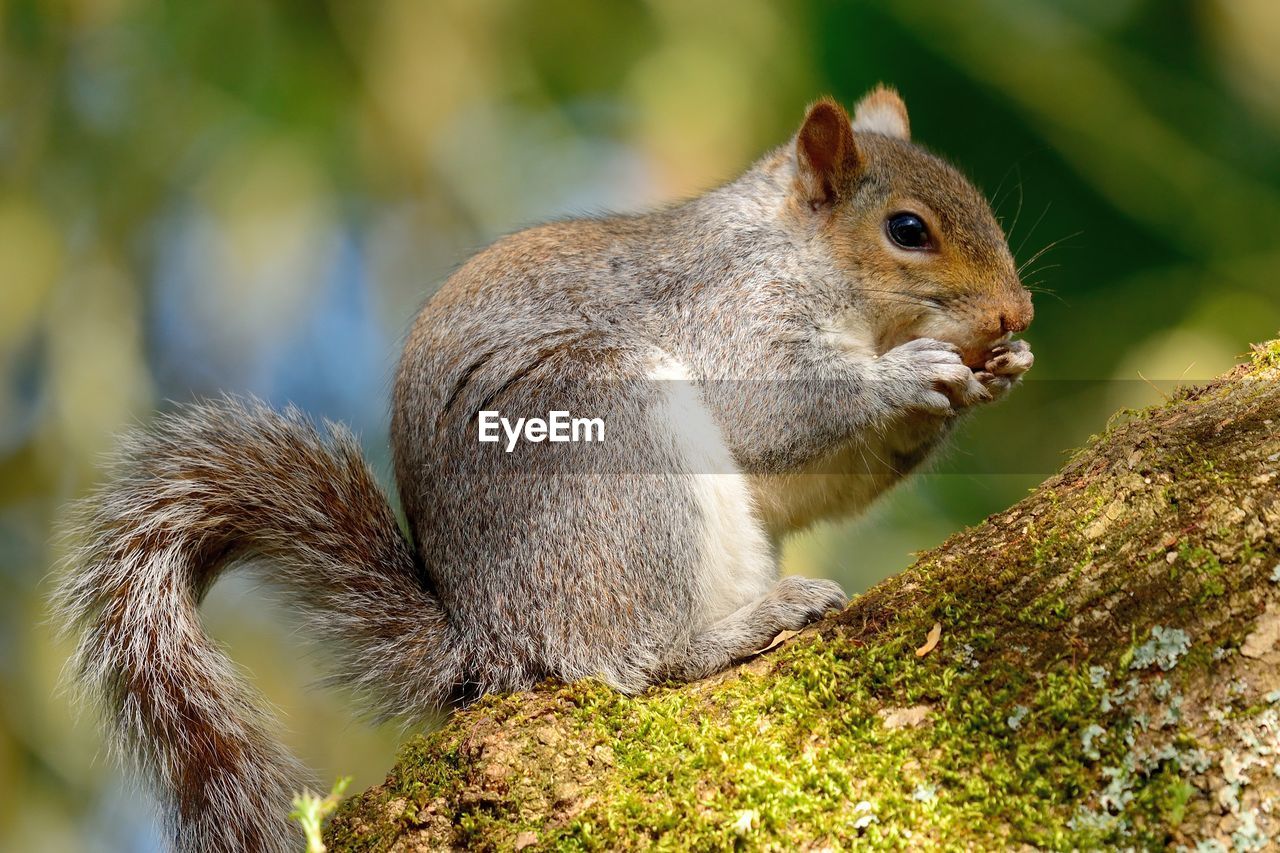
(976, 347)
(976, 358)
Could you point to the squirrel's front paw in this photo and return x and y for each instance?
(1005, 366)
(930, 376)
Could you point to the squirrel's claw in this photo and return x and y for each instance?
(1012, 359)
(1005, 367)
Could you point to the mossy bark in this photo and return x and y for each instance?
(1106, 675)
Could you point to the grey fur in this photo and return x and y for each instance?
(797, 389)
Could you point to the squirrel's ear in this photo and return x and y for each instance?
(826, 155)
(882, 111)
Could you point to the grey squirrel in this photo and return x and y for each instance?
(821, 320)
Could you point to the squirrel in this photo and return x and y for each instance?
(779, 350)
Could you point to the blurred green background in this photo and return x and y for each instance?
(256, 197)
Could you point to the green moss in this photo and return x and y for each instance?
(760, 744)
(785, 758)
(1267, 356)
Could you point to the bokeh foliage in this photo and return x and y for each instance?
(255, 197)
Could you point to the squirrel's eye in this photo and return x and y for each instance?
(908, 231)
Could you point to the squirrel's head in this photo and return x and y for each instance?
(913, 237)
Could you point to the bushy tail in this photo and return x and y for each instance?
(227, 484)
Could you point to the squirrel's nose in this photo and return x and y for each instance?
(1016, 318)
(1011, 323)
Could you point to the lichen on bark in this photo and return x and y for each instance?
(1106, 675)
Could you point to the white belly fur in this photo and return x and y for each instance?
(738, 561)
